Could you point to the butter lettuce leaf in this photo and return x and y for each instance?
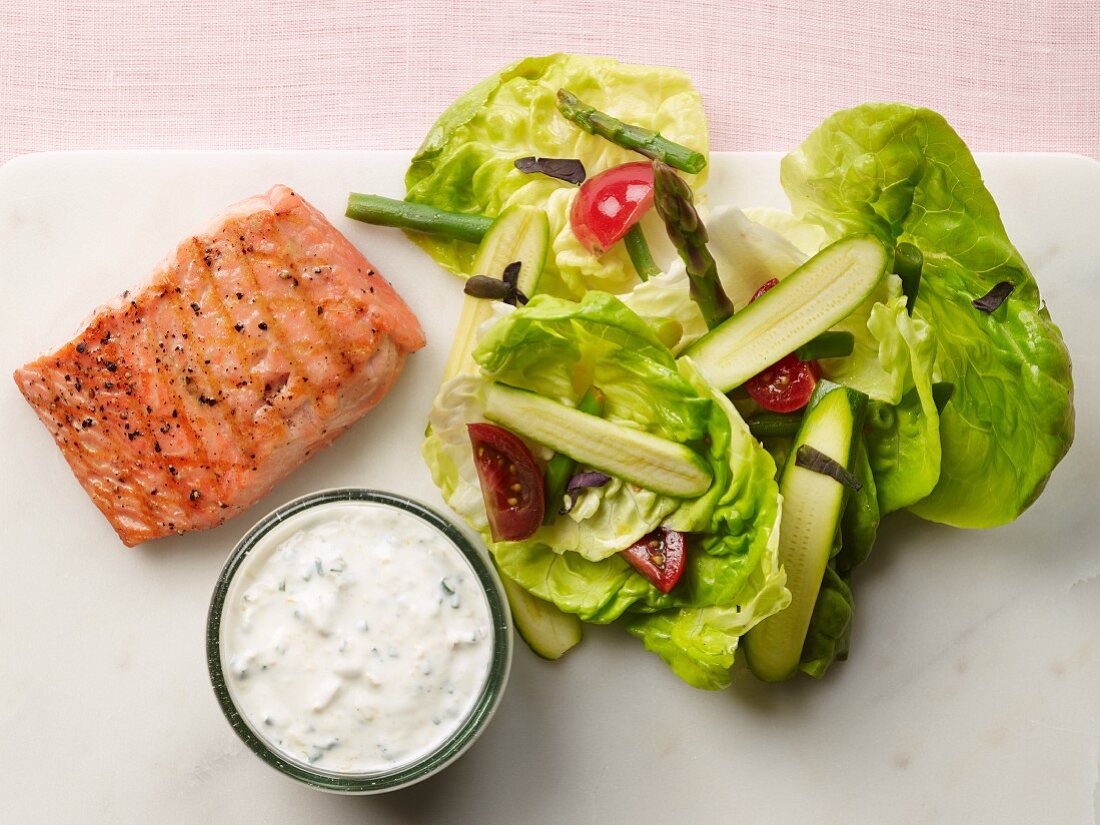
(905, 175)
(748, 254)
(446, 448)
(667, 297)
(903, 439)
(558, 348)
(879, 363)
(808, 238)
(466, 163)
(552, 346)
(699, 643)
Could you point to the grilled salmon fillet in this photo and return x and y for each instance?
(254, 344)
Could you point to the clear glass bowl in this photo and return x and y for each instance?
(450, 748)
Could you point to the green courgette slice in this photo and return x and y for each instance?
(813, 504)
(817, 295)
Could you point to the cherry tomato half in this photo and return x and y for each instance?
(609, 204)
(511, 483)
(786, 385)
(660, 556)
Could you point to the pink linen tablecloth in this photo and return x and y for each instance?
(341, 74)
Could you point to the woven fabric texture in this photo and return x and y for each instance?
(344, 74)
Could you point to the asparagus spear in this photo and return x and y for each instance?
(673, 199)
(774, 425)
(381, 211)
(908, 263)
(830, 344)
(629, 136)
(638, 250)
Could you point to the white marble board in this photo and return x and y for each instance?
(973, 691)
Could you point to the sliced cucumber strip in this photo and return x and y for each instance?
(812, 508)
(560, 468)
(548, 631)
(814, 297)
(635, 456)
(520, 233)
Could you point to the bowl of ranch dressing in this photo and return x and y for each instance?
(358, 641)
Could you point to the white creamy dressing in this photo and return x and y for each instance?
(355, 638)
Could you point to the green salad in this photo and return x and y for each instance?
(687, 418)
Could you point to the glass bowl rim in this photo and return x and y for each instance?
(450, 748)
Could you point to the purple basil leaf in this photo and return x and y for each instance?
(569, 170)
(494, 289)
(994, 298)
(818, 462)
(511, 277)
(582, 481)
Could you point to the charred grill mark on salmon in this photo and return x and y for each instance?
(299, 287)
(254, 344)
(172, 433)
(274, 309)
(197, 388)
(185, 457)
